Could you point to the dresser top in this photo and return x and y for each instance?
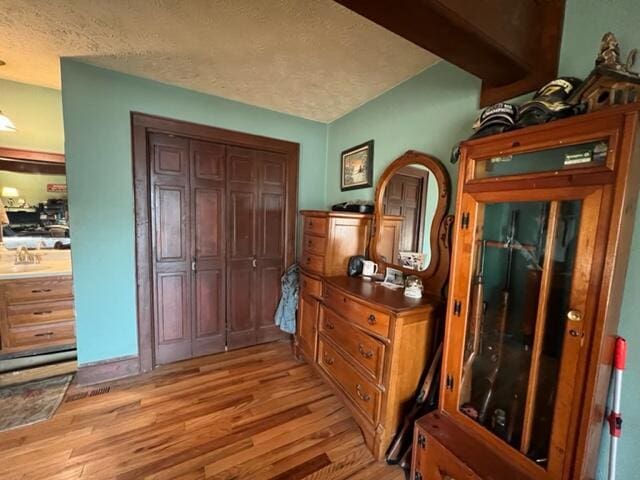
(331, 213)
(383, 297)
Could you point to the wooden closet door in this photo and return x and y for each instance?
(271, 241)
(242, 207)
(256, 191)
(171, 259)
(208, 247)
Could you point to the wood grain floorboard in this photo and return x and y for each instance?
(254, 414)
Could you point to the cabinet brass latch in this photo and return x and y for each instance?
(464, 221)
(449, 383)
(422, 441)
(457, 308)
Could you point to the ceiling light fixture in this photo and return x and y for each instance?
(6, 125)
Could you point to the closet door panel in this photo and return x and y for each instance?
(171, 218)
(208, 247)
(271, 241)
(242, 200)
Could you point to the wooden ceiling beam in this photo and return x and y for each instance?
(513, 46)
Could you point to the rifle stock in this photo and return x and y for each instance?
(502, 323)
(473, 345)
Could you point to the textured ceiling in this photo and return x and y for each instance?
(311, 58)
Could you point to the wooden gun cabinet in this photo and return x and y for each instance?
(544, 220)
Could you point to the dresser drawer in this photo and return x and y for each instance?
(434, 462)
(316, 225)
(363, 315)
(310, 286)
(39, 336)
(38, 290)
(313, 263)
(364, 394)
(39, 313)
(366, 350)
(315, 244)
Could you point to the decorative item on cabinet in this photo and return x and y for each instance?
(528, 352)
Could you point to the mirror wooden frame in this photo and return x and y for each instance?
(435, 276)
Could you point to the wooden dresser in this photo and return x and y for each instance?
(373, 346)
(329, 240)
(36, 313)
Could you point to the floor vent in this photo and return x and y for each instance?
(92, 393)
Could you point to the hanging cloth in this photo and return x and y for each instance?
(286, 313)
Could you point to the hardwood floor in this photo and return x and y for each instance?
(255, 413)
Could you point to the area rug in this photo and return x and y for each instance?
(32, 402)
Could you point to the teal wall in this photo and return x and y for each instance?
(37, 114)
(435, 109)
(97, 105)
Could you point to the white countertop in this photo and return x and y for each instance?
(52, 263)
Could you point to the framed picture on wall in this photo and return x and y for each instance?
(357, 167)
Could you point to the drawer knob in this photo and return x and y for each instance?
(364, 396)
(371, 319)
(363, 352)
(44, 334)
(328, 360)
(41, 290)
(329, 325)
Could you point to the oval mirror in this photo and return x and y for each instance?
(412, 198)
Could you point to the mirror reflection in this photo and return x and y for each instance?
(410, 199)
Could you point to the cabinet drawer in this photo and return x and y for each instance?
(39, 336)
(38, 290)
(313, 263)
(366, 350)
(364, 394)
(40, 313)
(315, 225)
(363, 315)
(434, 462)
(310, 286)
(315, 244)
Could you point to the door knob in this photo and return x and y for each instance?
(194, 266)
(574, 315)
(254, 262)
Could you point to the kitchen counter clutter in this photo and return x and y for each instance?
(36, 301)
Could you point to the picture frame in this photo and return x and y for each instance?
(356, 167)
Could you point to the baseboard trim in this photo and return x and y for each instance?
(108, 370)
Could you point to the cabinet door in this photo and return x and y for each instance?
(524, 283)
(308, 310)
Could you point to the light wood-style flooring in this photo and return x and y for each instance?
(256, 413)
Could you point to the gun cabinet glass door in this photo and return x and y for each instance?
(527, 276)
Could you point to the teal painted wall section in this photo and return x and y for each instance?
(429, 113)
(97, 105)
(37, 114)
(585, 23)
